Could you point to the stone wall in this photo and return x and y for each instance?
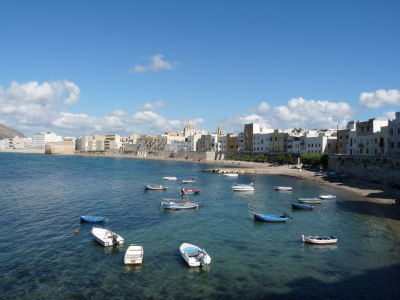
(59, 149)
(371, 168)
(161, 153)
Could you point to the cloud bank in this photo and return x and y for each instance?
(379, 99)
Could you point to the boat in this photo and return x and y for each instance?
(242, 187)
(310, 200)
(169, 178)
(134, 255)
(106, 237)
(179, 205)
(319, 173)
(243, 184)
(194, 256)
(283, 188)
(189, 192)
(319, 239)
(302, 206)
(189, 181)
(327, 197)
(333, 175)
(154, 187)
(230, 175)
(271, 218)
(92, 219)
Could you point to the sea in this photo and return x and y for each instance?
(41, 256)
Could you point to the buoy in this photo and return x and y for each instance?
(76, 231)
(55, 196)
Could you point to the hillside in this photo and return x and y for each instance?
(8, 132)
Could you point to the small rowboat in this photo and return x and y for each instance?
(327, 197)
(271, 218)
(179, 205)
(169, 178)
(302, 206)
(92, 219)
(189, 181)
(319, 239)
(283, 188)
(242, 187)
(155, 187)
(310, 200)
(134, 255)
(189, 192)
(230, 175)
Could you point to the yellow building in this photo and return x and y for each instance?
(232, 143)
(278, 141)
(112, 141)
(381, 141)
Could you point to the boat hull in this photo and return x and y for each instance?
(230, 175)
(92, 219)
(134, 256)
(269, 218)
(190, 253)
(283, 188)
(169, 178)
(242, 188)
(302, 206)
(177, 206)
(310, 200)
(105, 236)
(319, 240)
(327, 197)
(154, 188)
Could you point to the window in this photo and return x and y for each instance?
(392, 145)
(340, 145)
(319, 145)
(276, 139)
(367, 150)
(367, 128)
(376, 140)
(398, 144)
(376, 151)
(362, 129)
(261, 148)
(347, 137)
(329, 146)
(308, 145)
(312, 145)
(340, 137)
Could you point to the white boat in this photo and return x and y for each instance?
(134, 255)
(230, 175)
(242, 188)
(194, 256)
(319, 173)
(319, 239)
(189, 181)
(106, 237)
(310, 200)
(283, 188)
(169, 178)
(327, 197)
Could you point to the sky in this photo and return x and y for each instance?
(147, 67)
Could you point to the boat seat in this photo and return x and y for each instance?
(193, 254)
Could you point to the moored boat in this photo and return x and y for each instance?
(283, 188)
(310, 200)
(327, 197)
(189, 181)
(271, 218)
(303, 206)
(194, 256)
(92, 219)
(154, 187)
(319, 239)
(230, 175)
(189, 192)
(179, 205)
(169, 178)
(319, 173)
(134, 255)
(242, 187)
(106, 237)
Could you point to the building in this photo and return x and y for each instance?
(261, 142)
(278, 141)
(112, 142)
(232, 143)
(249, 131)
(40, 139)
(241, 141)
(381, 141)
(394, 136)
(365, 135)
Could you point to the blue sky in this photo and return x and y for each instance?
(80, 67)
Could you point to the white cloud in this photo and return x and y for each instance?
(237, 122)
(157, 64)
(151, 106)
(263, 109)
(387, 115)
(379, 98)
(118, 113)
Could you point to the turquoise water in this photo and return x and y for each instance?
(42, 197)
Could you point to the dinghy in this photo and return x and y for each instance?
(92, 219)
(194, 256)
(106, 237)
(242, 187)
(302, 206)
(283, 188)
(169, 178)
(179, 205)
(154, 187)
(327, 197)
(271, 218)
(230, 175)
(189, 192)
(189, 181)
(310, 200)
(134, 255)
(319, 239)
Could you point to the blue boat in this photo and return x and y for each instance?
(271, 218)
(92, 219)
(302, 206)
(154, 187)
(179, 205)
(243, 184)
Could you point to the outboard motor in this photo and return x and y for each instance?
(115, 239)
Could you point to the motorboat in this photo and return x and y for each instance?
(194, 256)
(243, 184)
(283, 188)
(189, 181)
(319, 239)
(319, 173)
(327, 197)
(169, 178)
(242, 187)
(106, 237)
(92, 219)
(310, 200)
(179, 205)
(189, 192)
(134, 255)
(271, 218)
(302, 206)
(155, 187)
(230, 175)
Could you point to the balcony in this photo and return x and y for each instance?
(361, 145)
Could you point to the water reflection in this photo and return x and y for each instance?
(311, 247)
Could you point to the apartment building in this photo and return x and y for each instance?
(394, 136)
(365, 135)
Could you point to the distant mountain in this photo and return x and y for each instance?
(8, 132)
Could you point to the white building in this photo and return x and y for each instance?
(40, 139)
(352, 145)
(394, 136)
(261, 142)
(365, 135)
(241, 141)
